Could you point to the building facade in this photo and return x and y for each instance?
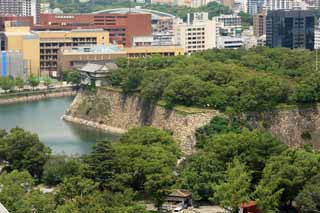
(76, 57)
(198, 35)
(21, 8)
(290, 29)
(12, 64)
(121, 27)
(40, 49)
(228, 25)
(259, 24)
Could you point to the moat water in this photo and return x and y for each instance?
(44, 118)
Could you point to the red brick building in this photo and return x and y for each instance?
(122, 27)
(21, 20)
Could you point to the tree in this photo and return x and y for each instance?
(100, 162)
(235, 189)
(308, 199)
(13, 189)
(24, 151)
(47, 81)
(283, 178)
(39, 202)
(59, 167)
(19, 83)
(73, 77)
(6, 83)
(159, 186)
(33, 81)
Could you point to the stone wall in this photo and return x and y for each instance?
(295, 127)
(36, 97)
(112, 111)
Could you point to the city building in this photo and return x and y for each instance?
(40, 48)
(290, 29)
(198, 34)
(254, 6)
(121, 27)
(51, 42)
(70, 58)
(261, 41)
(279, 4)
(74, 58)
(21, 8)
(259, 23)
(228, 25)
(227, 3)
(19, 38)
(228, 42)
(12, 64)
(18, 20)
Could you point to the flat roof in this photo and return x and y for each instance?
(94, 49)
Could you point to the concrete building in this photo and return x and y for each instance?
(279, 4)
(228, 42)
(40, 49)
(121, 27)
(198, 35)
(259, 23)
(12, 64)
(21, 8)
(51, 42)
(70, 58)
(228, 25)
(17, 20)
(27, 43)
(255, 6)
(290, 29)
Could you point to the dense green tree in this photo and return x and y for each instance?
(36, 201)
(206, 168)
(13, 189)
(59, 167)
(24, 151)
(100, 162)
(72, 77)
(308, 199)
(216, 126)
(33, 81)
(235, 188)
(19, 82)
(283, 178)
(47, 81)
(6, 83)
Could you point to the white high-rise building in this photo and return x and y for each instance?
(198, 34)
(21, 8)
(279, 4)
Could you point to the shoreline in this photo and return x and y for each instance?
(36, 97)
(95, 125)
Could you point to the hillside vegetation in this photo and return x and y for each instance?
(232, 81)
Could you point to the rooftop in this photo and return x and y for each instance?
(94, 49)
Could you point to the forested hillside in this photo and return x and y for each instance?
(232, 81)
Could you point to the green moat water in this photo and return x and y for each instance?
(44, 118)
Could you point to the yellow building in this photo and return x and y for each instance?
(40, 48)
(21, 39)
(51, 42)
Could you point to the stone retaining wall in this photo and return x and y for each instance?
(36, 97)
(111, 111)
